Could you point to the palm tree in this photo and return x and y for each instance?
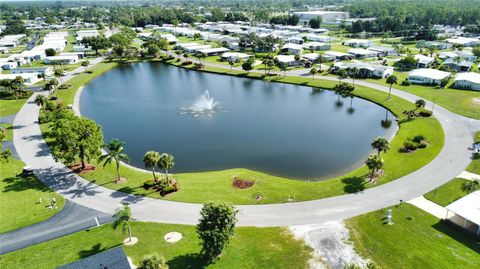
(354, 74)
(231, 63)
(341, 74)
(392, 79)
(313, 71)
(471, 186)
(150, 159)
(420, 103)
(40, 100)
(166, 163)
(123, 218)
(374, 163)
(116, 153)
(380, 144)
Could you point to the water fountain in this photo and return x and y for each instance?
(203, 105)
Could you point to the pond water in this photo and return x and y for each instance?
(277, 128)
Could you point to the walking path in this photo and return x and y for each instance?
(429, 206)
(469, 176)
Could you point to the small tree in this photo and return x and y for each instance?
(247, 66)
(123, 218)
(166, 162)
(40, 100)
(85, 63)
(115, 153)
(313, 71)
(216, 226)
(380, 144)
(392, 79)
(283, 67)
(50, 52)
(471, 186)
(420, 103)
(153, 262)
(151, 160)
(374, 163)
(342, 74)
(231, 63)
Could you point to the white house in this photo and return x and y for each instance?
(288, 59)
(33, 70)
(337, 56)
(365, 70)
(235, 56)
(358, 43)
(427, 76)
(312, 57)
(469, 81)
(362, 53)
(460, 66)
(28, 78)
(438, 45)
(4, 50)
(464, 41)
(423, 61)
(68, 59)
(86, 33)
(295, 40)
(6, 64)
(383, 51)
(317, 46)
(292, 48)
(212, 51)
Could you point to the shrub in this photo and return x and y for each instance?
(406, 82)
(425, 113)
(422, 145)
(409, 146)
(149, 183)
(168, 189)
(198, 66)
(187, 63)
(418, 139)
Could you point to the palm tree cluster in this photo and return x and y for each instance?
(164, 161)
(375, 162)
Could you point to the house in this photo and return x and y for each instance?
(464, 55)
(191, 49)
(114, 258)
(357, 43)
(438, 45)
(362, 53)
(69, 59)
(81, 48)
(327, 16)
(7, 64)
(4, 50)
(212, 51)
(460, 66)
(383, 51)
(337, 56)
(47, 71)
(317, 46)
(464, 213)
(295, 40)
(288, 59)
(469, 81)
(292, 48)
(427, 76)
(423, 61)
(365, 70)
(86, 33)
(312, 57)
(464, 41)
(29, 79)
(235, 56)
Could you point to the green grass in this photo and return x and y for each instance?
(9, 107)
(248, 248)
(201, 187)
(421, 242)
(463, 102)
(82, 79)
(8, 131)
(447, 193)
(20, 196)
(474, 166)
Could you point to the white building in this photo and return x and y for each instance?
(362, 53)
(464, 41)
(327, 16)
(29, 79)
(288, 59)
(235, 56)
(292, 48)
(427, 76)
(48, 71)
(423, 61)
(337, 56)
(469, 81)
(86, 33)
(68, 59)
(317, 46)
(365, 70)
(358, 43)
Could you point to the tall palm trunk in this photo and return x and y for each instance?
(82, 157)
(389, 91)
(166, 177)
(129, 232)
(118, 169)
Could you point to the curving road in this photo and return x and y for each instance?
(450, 162)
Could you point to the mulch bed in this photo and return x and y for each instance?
(242, 183)
(77, 168)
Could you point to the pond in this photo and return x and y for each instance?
(277, 128)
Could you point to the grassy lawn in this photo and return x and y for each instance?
(249, 248)
(463, 102)
(9, 107)
(447, 193)
(474, 166)
(217, 185)
(8, 131)
(20, 196)
(415, 240)
(82, 79)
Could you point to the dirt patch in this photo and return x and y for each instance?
(476, 102)
(77, 168)
(242, 183)
(378, 174)
(119, 180)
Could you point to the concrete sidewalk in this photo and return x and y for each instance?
(469, 176)
(429, 206)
